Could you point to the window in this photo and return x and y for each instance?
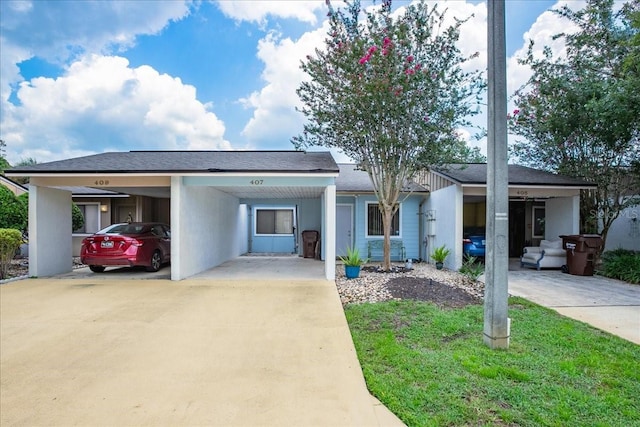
(538, 221)
(274, 221)
(374, 221)
(91, 214)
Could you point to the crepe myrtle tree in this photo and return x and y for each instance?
(579, 113)
(389, 91)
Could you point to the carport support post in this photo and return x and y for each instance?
(496, 322)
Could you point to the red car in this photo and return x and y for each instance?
(145, 244)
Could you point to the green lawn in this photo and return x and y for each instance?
(430, 367)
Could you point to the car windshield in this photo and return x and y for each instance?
(124, 229)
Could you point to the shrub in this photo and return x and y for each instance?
(77, 218)
(21, 207)
(10, 240)
(472, 268)
(621, 264)
(13, 213)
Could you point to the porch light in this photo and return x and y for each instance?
(104, 208)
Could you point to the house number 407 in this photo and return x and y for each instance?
(256, 182)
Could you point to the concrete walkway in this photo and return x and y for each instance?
(90, 351)
(607, 304)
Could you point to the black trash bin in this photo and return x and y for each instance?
(309, 241)
(581, 252)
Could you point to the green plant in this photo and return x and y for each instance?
(353, 258)
(440, 253)
(10, 240)
(77, 218)
(621, 264)
(371, 79)
(13, 213)
(472, 268)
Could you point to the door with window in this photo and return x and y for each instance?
(274, 229)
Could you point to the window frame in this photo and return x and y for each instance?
(99, 216)
(536, 226)
(274, 208)
(381, 236)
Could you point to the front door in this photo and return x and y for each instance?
(517, 240)
(344, 227)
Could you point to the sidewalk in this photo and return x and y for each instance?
(607, 304)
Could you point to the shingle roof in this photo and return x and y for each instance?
(353, 180)
(189, 161)
(476, 173)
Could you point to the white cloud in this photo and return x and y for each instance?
(274, 116)
(258, 10)
(59, 30)
(541, 32)
(101, 104)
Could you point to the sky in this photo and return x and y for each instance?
(84, 77)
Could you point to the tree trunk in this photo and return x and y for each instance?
(387, 219)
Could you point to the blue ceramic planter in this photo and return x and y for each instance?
(352, 271)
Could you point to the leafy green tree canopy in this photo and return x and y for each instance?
(13, 212)
(579, 113)
(389, 90)
(4, 164)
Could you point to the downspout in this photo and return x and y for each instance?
(296, 233)
(250, 231)
(420, 228)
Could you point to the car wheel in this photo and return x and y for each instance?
(156, 262)
(96, 268)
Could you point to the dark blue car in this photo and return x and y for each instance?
(474, 245)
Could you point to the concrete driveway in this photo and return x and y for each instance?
(194, 352)
(607, 304)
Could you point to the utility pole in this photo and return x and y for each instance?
(496, 323)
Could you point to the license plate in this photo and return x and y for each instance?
(484, 242)
(108, 244)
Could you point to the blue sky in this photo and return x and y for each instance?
(79, 77)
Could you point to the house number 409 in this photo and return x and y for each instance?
(256, 182)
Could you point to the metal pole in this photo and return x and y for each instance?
(496, 322)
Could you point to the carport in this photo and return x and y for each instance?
(211, 197)
(457, 203)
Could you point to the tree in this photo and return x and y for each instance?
(580, 113)
(13, 212)
(390, 92)
(4, 164)
(77, 218)
(29, 161)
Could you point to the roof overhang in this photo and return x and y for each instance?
(244, 185)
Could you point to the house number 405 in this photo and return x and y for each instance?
(256, 182)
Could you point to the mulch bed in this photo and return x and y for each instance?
(421, 289)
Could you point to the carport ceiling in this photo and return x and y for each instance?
(239, 192)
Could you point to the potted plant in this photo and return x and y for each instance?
(352, 263)
(439, 254)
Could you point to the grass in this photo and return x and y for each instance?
(430, 367)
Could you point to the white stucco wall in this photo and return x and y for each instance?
(329, 231)
(562, 217)
(242, 237)
(49, 231)
(447, 204)
(205, 228)
(625, 231)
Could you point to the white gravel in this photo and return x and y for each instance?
(371, 286)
